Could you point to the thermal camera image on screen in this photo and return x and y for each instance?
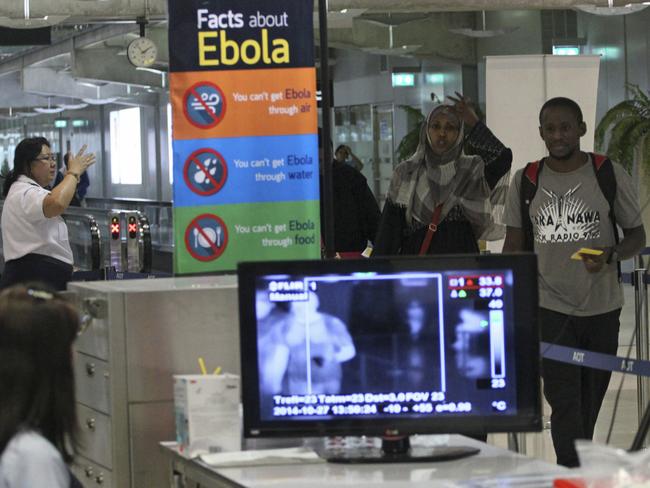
(373, 345)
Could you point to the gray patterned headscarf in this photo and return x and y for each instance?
(426, 180)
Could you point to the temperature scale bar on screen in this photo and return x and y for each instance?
(486, 287)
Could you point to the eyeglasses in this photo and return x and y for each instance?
(49, 158)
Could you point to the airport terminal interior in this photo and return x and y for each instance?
(65, 74)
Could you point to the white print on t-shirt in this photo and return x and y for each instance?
(565, 218)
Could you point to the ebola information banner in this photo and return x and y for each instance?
(244, 128)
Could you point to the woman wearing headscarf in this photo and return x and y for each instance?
(444, 188)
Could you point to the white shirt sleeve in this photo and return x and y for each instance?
(30, 461)
(32, 203)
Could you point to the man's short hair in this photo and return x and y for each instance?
(562, 102)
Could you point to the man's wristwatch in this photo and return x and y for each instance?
(613, 256)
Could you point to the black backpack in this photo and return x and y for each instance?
(604, 170)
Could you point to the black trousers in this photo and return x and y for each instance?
(576, 393)
(36, 268)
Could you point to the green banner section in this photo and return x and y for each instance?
(215, 238)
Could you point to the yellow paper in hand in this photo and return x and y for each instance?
(586, 250)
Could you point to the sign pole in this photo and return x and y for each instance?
(327, 195)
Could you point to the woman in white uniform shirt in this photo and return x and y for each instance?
(34, 235)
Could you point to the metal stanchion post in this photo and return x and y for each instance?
(517, 442)
(642, 336)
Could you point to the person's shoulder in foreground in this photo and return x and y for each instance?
(30, 460)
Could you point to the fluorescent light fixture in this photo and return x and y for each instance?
(60, 123)
(80, 123)
(403, 79)
(611, 10)
(151, 70)
(53, 110)
(72, 106)
(566, 50)
(434, 78)
(483, 32)
(100, 101)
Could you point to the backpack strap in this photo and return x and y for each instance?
(529, 179)
(604, 169)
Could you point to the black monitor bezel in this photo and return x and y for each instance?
(529, 415)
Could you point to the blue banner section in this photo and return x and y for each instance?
(245, 170)
(596, 360)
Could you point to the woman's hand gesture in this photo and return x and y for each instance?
(465, 109)
(81, 161)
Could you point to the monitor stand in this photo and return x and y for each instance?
(399, 450)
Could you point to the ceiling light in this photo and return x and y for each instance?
(54, 110)
(151, 70)
(611, 10)
(483, 32)
(72, 106)
(100, 101)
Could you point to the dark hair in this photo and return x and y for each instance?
(562, 102)
(66, 158)
(26, 152)
(37, 391)
(340, 146)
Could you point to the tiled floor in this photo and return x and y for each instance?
(626, 419)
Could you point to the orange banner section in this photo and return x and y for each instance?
(244, 103)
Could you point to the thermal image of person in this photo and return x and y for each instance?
(271, 352)
(306, 350)
(415, 318)
(471, 345)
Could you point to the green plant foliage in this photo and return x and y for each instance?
(409, 142)
(627, 125)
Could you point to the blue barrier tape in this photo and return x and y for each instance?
(597, 360)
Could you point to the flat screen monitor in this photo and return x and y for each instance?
(390, 346)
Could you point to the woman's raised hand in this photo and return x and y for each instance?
(465, 109)
(81, 161)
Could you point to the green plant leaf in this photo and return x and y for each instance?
(632, 140)
(619, 141)
(639, 96)
(645, 157)
(613, 115)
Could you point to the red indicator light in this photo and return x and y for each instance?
(115, 228)
(132, 228)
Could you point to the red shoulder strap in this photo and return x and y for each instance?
(531, 172)
(598, 159)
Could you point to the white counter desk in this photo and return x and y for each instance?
(492, 467)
